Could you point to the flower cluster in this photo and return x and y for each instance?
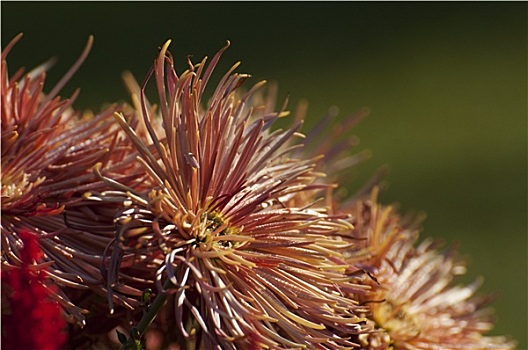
(195, 223)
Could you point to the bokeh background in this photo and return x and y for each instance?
(446, 84)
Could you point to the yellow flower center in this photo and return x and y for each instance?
(396, 320)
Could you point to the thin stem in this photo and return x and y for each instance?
(148, 317)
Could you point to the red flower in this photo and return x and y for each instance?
(35, 321)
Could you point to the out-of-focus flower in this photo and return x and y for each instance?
(34, 319)
(414, 304)
(244, 268)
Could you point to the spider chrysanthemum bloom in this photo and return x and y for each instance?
(243, 266)
(414, 303)
(48, 152)
(32, 123)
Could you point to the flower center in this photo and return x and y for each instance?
(396, 320)
(214, 230)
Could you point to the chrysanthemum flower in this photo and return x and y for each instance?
(48, 152)
(243, 267)
(414, 304)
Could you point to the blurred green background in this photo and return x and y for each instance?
(446, 84)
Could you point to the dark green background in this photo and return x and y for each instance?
(446, 84)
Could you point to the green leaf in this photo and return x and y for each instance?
(122, 337)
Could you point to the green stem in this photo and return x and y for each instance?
(147, 319)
